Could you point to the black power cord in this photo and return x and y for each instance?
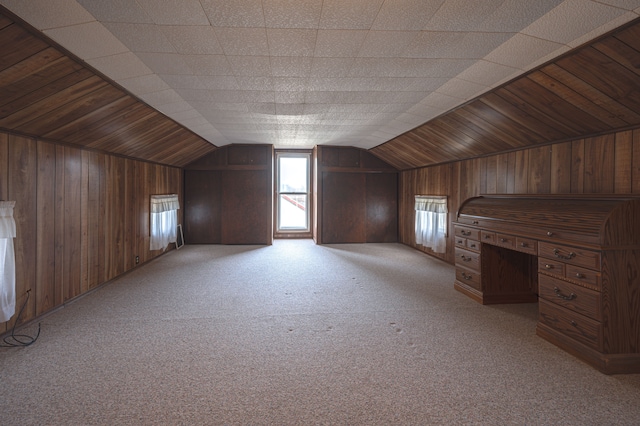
(15, 340)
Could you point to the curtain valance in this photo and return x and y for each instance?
(431, 203)
(164, 203)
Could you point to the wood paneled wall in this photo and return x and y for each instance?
(82, 217)
(229, 196)
(598, 165)
(356, 197)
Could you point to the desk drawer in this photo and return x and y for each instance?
(507, 241)
(570, 255)
(468, 259)
(571, 296)
(549, 266)
(468, 277)
(527, 245)
(586, 277)
(464, 232)
(576, 326)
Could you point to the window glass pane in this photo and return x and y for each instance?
(293, 211)
(293, 174)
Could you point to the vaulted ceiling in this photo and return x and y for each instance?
(418, 82)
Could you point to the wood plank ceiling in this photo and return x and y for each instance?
(592, 90)
(45, 93)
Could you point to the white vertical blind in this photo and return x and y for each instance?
(164, 221)
(431, 222)
(7, 261)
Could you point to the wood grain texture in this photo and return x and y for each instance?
(74, 211)
(48, 94)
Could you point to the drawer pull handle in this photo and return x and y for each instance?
(475, 222)
(556, 290)
(503, 240)
(472, 245)
(549, 233)
(546, 265)
(466, 277)
(556, 252)
(487, 237)
(579, 275)
(465, 258)
(523, 244)
(465, 233)
(573, 323)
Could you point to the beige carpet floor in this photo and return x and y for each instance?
(300, 334)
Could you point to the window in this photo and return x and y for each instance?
(164, 221)
(293, 192)
(431, 222)
(7, 261)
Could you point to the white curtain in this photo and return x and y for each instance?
(164, 220)
(431, 222)
(7, 261)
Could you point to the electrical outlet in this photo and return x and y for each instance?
(137, 259)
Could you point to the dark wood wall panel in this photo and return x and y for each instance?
(356, 197)
(229, 196)
(82, 217)
(604, 164)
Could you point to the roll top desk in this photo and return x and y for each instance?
(577, 256)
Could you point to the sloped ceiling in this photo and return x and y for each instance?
(299, 73)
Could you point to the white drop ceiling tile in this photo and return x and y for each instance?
(570, 19)
(331, 67)
(162, 97)
(292, 13)
(255, 83)
(250, 65)
(521, 50)
(263, 108)
(208, 64)
(116, 11)
(289, 109)
(243, 41)
(290, 66)
(143, 84)
(165, 63)
(141, 37)
(425, 84)
(88, 40)
(339, 43)
(291, 42)
(186, 114)
(438, 44)
(407, 15)
(410, 67)
(193, 122)
(46, 14)
(441, 101)
(514, 15)
(290, 97)
(462, 89)
(175, 107)
(425, 111)
(319, 97)
(175, 12)
(236, 13)
(386, 44)
(353, 14)
(487, 73)
(193, 40)
(289, 84)
(614, 23)
(121, 66)
(183, 81)
(193, 95)
(219, 82)
(462, 15)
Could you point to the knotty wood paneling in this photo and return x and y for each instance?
(47, 93)
(593, 90)
(79, 216)
(604, 164)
